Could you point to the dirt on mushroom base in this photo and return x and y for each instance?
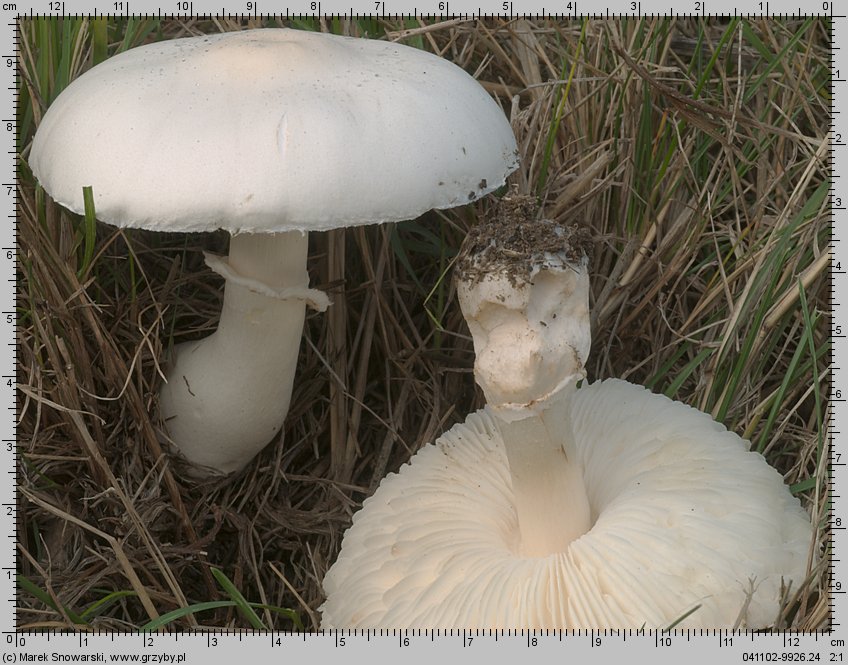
(515, 243)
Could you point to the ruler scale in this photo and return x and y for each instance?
(701, 646)
(839, 162)
(8, 257)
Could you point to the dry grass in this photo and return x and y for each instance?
(694, 151)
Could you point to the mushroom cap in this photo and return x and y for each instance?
(271, 130)
(684, 516)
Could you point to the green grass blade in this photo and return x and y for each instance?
(238, 599)
(99, 606)
(686, 372)
(44, 597)
(789, 379)
(717, 50)
(136, 32)
(89, 231)
(560, 111)
(803, 486)
(761, 298)
(181, 612)
(400, 252)
(775, 60)
(809, 325)
(99, 40)
(677, 621)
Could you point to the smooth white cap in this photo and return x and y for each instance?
(684, 517)
(271, 130)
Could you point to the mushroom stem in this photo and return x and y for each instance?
(550, 497)
(531, 342)
(523, 287)
(227, 395)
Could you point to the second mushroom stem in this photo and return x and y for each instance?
(523, 287)
(550, 496)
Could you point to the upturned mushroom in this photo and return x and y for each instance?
(603, 506)
(268, 134)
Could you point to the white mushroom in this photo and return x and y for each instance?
(524, 291)
(600, 507)
(682, 515)
(268, 134)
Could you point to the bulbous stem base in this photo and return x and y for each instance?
(227, 395)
